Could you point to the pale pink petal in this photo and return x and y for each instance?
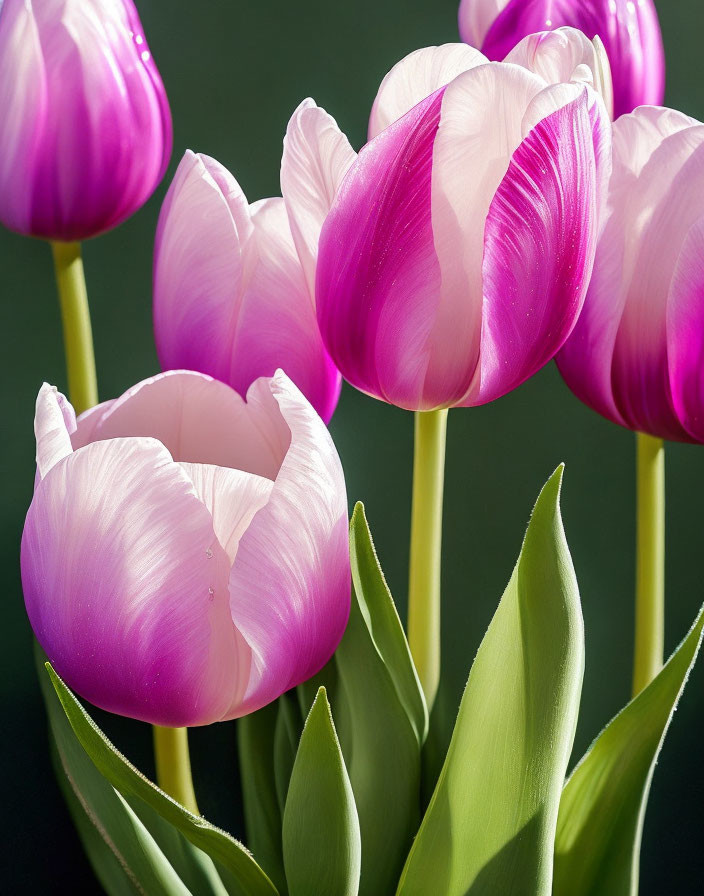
(88, 421)
(126, 586)
(480, 128)
(54, 421)
(540, 238)
(566, 55)
(378, 279)
(290, 584)
(315, 159)
(685, 333)
(199, 420)
(232, 497)
(417, 76)
(276, 324)
(476, 18)
(199, 267)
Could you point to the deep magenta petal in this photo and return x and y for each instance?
(377, 284)
(86, 134)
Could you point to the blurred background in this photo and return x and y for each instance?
(234, 72)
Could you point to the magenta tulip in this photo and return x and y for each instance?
(185, 557)
(85, 131)
(637, 353)
(233, 282)
(456, 255)
(629, 29)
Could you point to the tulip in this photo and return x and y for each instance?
(234, 283)
(185, 557)
(85, 132)
(628, 28)
(455, 258)
(637, 353)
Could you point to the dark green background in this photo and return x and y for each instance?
(234, 72)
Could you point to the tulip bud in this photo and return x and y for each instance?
(233, 282)
(185, 557)
(629, 29)
(456, 255)
(85, 131)
(637, 353)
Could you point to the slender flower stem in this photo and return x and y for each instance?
(426, 542)
(173, 765)
(78, 337)
(650, 560)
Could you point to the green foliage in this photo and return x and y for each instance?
(490, 824)
(597, 847)
(150, 835)
(321, 842)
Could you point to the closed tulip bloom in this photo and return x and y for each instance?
(637, 353)
(233, 282)
(85, 131)
(629, 29)
(456, 255)
(185, 556)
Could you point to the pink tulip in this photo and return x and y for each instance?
(628, 28)
(233, 282)
(637, 353)
(456, 255)
(85, 130)
(185, 556)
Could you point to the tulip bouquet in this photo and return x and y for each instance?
(187, 557)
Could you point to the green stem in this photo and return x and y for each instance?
(78, 337)
(650, 560)
(173, 765)
(426, 541)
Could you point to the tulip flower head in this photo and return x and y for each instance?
(637, 353)
(456, 255)
(185, 557)
(629, 29)
(234, 283)
(85, 131)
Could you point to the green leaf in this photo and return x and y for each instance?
(131, 848)
(238, 870)
(381, 715)
(321, 828)
(256, 735)
(381, 619)
(602, 810)
(286, 736)
(490, 825)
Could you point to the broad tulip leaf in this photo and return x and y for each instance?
(131, 848)
(490, 825)
(240, 873)
(597, 846)
(321, 828)
(383, 719)
(286, 736)
(262, 812)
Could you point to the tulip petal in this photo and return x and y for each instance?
(685, 334)
(416, 77)
(475, 18)
(199, 267)
(315, 159)
(290, 583)
(378, 278)
(137, 620)
(560, 56)
(276, 323)
(480, 127)
(199, 420)
(540, 236)
(54, 421)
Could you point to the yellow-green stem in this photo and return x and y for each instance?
(426, 543)
(650, 560)
(78, 336)
(173, 765)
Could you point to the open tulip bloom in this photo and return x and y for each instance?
(186, 557)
